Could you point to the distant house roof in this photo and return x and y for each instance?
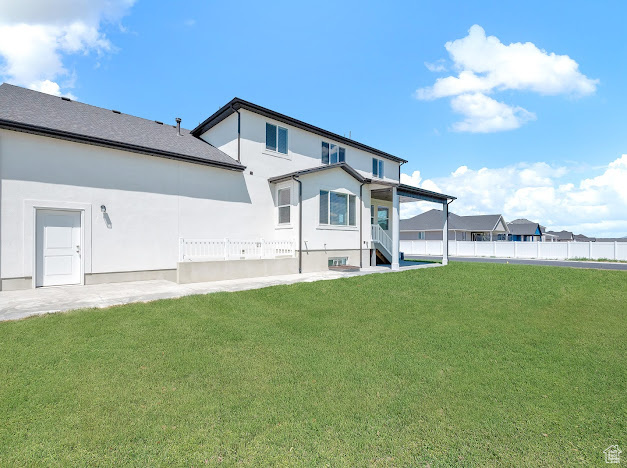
(521, 221)
(561, 235)
(237, 103)
(582, 238)
(432, 220)
(524, 227)
(33, 112)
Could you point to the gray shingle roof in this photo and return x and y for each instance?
(523, 228)
(561, 235)
(34, 112)
(432, 220)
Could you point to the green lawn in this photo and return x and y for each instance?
(472, 364)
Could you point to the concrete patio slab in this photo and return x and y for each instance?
(20, 304)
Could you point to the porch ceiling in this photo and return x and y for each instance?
(408, 194)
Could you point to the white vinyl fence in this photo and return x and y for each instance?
(203, 250)
(534, 250)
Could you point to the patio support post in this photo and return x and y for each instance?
(445, 234)
(396, 230)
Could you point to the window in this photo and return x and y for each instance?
(338, 209)
(338, 261)
(377, 168)
(421, 235)
(383, 216)
(276, 138)
(332, 154)
(324, 207)
(284, 202)
(371, 214)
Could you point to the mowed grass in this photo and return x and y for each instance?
(472, 364)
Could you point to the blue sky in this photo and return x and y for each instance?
(356, 66)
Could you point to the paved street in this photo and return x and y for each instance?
(519, 261)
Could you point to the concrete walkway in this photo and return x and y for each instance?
(20, 304)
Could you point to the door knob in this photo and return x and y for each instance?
(78, 249)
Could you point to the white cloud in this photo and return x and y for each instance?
(484, 114)
(437, 66)
(486, 65)
(595, 205)
(35, 35)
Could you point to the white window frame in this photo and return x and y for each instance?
(329, 155)
(276, 152)
(289, 187)
(346, 226)
(387, 208)
(380, 174)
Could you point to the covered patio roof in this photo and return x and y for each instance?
(407, 193)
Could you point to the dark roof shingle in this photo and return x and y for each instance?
(34, 112)
(432, 220)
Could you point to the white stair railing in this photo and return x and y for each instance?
(202, 250)
(381, 237)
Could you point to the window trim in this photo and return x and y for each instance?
(348, 196)
(340, 150)
(276, 152)
(380, 173)
(278, 224)
(387, 219)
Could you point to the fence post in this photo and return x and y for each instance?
(181, 249)
(226, 249)
(474, 243)
(538, 250)
(567, 250)
(493, 246)
(615, 250)
(515, 249)
(590, 250)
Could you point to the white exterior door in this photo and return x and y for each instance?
(58, 247)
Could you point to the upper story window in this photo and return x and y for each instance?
(338, 209)
(276, 138)
(284, 202)
(332, 154)
(377, 168)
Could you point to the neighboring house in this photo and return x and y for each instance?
(428, 226)
(523, 230)
(582, 238)
(561, 236)
(91, 195)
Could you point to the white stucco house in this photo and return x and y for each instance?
(91, 195)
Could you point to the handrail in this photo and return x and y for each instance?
(381, 237)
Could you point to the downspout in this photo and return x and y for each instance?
(361, 224)
(300, 224)
(239, 132)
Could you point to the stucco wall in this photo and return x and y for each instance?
(151, 202)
